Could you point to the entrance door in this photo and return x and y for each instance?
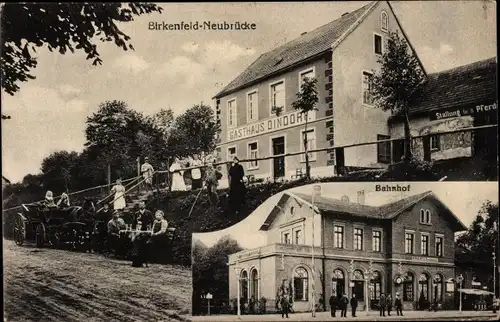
(279, 162)
(398, 150)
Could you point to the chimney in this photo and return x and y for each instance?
(302, 34)
(361, 197)
(344, 198)
(345, 13)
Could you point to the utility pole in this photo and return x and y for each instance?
(316, 192)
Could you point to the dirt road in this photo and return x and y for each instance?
(56, 285)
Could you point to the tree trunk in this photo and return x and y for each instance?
(408, 142)
(308, 169)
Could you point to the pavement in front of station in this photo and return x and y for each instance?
(362, 316)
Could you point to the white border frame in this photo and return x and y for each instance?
(380, 21)
(249, 167)
(363, 71)
(381, 44)
(271, 163)
(235, 125)
(256, 118)
(283, 80)
(301, 145)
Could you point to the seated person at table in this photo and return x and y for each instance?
(139, 251)
(115, 240)
(142, 218)
(160, 225)
(104, 214)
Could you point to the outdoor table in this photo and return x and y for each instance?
(133, 233)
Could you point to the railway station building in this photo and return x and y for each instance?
(405, 246)
(342, 55)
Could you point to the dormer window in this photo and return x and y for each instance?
(384, 21)
(425, 216)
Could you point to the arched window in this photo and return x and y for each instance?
(423, 286)
(359, 284)
(408, 287)
(375, 286)
(301, 284)
(254, 276)
(338, 283)
(384, 21)
(438, 287)
(244, 286)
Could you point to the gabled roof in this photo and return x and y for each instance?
(306, 46)
(474, 83)
(386, 211)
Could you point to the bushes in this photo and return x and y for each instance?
(412, 170)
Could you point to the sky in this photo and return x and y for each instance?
(177, 69)
(463, 198)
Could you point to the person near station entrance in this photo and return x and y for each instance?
(354, 305)
(115, 240)
(143, 218)
(344, 301)
(147, 172)
(333, 305)
(388, 303)
(285, 306)
(398, 305)
(381, 304)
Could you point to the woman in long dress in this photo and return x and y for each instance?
(177, 176)
(119, 198)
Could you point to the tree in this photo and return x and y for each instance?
(398, 83)
(307, 98)
(57, 169)
(481, 239)
(194, 131)
(62, 27)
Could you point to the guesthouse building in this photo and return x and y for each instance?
(405, 246)
(257, 119)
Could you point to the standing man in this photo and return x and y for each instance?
(398, 305)
(354, 305)
(285, 306)
(381, 304)
(147, 173)
(212, 177)
(143, 218)
(343, 302)
(236, 185)
(388, 302)
(333, 305)
(196, 173)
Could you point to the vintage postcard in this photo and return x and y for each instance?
(249, 161)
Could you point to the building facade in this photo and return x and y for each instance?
(405, 247)
(342, 55)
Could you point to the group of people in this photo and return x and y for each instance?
(50, 203)
(384, 304)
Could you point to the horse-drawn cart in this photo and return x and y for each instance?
(54, 226)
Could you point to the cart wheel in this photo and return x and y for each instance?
(19, 230)
(40, 235)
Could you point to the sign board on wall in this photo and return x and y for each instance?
(268, 125)
(462, 111)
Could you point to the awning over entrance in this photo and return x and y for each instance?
(473, 291)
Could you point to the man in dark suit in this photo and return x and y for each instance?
(333, 305)
(143, 217)
(354, 305)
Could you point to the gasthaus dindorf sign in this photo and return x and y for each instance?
(268, 125)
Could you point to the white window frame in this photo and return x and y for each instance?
(305, 71)
(362, 87)
(436, 236)
(343, 236)
(437, 139)
(381, 44)
(422, 234)
(285, 232)
(301, 239)
(235, 112)
(382, 21)
(271, 95)
(381, 239)
(255, 106)
(312, 155)
(249, 156)
(231, 156)
(284, 135)
(362, 238)
(427, 215)
(412, 232)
